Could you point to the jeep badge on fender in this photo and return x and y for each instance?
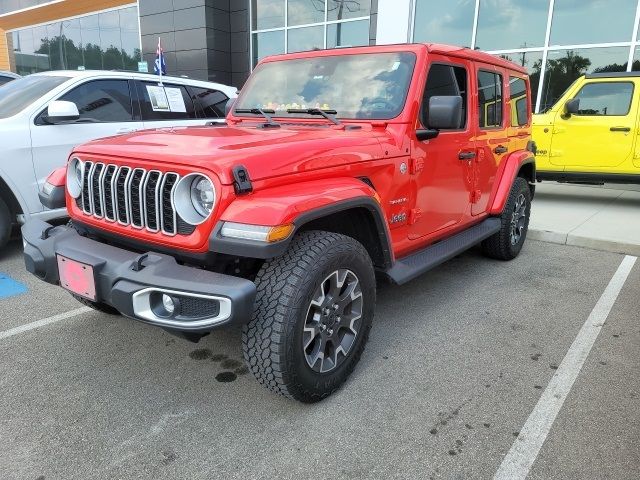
(281, 220)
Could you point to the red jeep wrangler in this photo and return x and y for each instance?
(334, 167)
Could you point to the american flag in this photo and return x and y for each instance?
(160, 67)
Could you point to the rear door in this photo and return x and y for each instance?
(492, 139)
(172, 105)
(602, 134)
(105, 108)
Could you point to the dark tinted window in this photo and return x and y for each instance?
(518, 101)
(490, 99)
(102, 100)
(4, 79)
(167, 102)
(609, 98)
(445, 80)
(209, 103)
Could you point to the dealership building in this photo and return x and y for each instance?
(221, 40)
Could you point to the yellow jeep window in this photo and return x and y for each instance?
(605, 98)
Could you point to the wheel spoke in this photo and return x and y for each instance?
(310, 334)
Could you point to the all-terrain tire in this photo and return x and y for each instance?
(273, 340)
(100, 307)
(504, 245)
(5, 223)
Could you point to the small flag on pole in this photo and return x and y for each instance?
(160, 67)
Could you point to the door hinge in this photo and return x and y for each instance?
(414, 215)
(416, 165)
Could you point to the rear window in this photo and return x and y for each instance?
(209, 103)
(17, 95)
(518, 101)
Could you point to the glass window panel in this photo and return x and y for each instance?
(348, 34)
(130, 37)
(42, 49)
(102, 100)
(148, 113)
(489, 99)
(532, 61)
(56, 48)
(518, 101)
(72, 41)
(592, 21)
(303, 39)
(635, 66)
(209, 103)
(343, 9)
(444, 22)
(90, 31)
(508, 24)
(300, 12)
(565, 66)
(267, 14)
(607, 98)
(267, 43)
(110, 41)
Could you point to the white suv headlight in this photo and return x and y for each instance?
(75, 176)
(194, 198)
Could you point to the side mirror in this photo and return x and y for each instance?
(445, 112)
(229, 106)
(60, 111)
(572, 107)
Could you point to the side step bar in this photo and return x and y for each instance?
(416, 264)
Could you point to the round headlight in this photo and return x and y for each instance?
(75, 174)
(194, 198)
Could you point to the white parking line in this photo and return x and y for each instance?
(525, 449)
(41, 323)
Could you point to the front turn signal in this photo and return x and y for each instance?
(260, 233)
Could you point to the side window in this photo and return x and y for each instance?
(166, 102)
(608, 98)
(209, 103)
(490, 99)
(518, 101)
(445, 80)
(4, 80)
(102, 100)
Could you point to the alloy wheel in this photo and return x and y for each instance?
(518, 219)
(333, 321)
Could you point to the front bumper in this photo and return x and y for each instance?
(121, 283)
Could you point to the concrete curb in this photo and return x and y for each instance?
(605, 245)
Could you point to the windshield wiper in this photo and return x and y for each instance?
(266, 113)
(328, 114)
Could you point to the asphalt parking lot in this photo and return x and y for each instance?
(458, 364)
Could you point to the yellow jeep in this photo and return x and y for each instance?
(591, 133)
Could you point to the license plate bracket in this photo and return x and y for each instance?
(77, 277)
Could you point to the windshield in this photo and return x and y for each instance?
(366, 86)
(15, 96)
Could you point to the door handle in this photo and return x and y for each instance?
(466, 155)
(620, 129)
(500, 149)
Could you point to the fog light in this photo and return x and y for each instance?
(168, 304)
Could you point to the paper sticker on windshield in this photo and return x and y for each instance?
(158, 98)
(395, 66)
(176, 100)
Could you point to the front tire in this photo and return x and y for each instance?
(508, 241)
(312, 316)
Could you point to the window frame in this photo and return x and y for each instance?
(633, 88)
(424, 89)
(40, 122)
(501, 75)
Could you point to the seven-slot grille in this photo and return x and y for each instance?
(130, 196)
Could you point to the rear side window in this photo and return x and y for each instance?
(209, 103)
(102, 101)
(445, 80)
(518, 101)
(4, 79)
(490, 99)
(165, 102)
(604, 99)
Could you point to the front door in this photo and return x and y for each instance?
(602, 133)
(443, 166)
(105, 109)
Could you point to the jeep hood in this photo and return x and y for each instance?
(265, 152)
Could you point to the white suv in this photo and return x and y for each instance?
(44, 115)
